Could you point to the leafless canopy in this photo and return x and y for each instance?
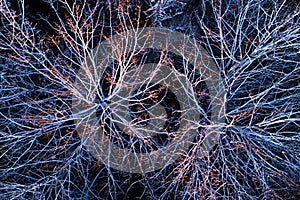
(256, 47)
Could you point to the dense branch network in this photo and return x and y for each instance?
(255, 45)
